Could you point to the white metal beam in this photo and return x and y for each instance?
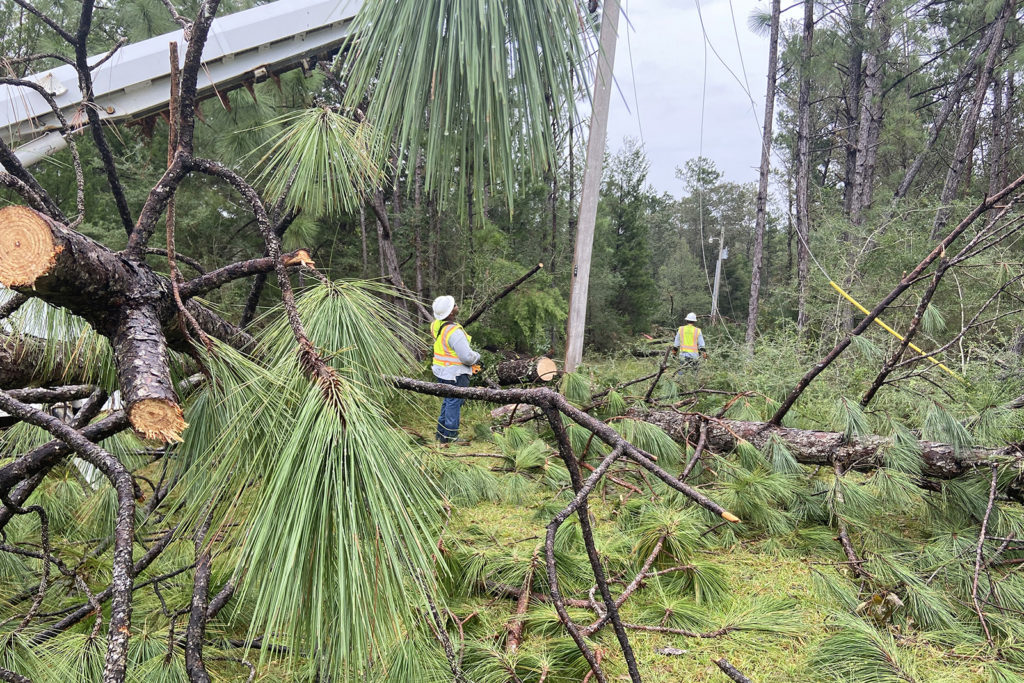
(135, 82)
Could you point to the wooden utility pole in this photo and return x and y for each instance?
(723, 253)
(591, 186)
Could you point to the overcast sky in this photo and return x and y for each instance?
(663, 46)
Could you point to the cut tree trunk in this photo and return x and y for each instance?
(143, 374)
(123, 300)
(811, 447)
(526, 370)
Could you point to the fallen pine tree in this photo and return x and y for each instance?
(812, 447)
(526, 371)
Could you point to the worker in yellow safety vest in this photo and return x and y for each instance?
(454, 362)
(689, 342)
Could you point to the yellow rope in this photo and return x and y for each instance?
(889, 329)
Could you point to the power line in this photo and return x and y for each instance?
(700, 155)
(636, 98)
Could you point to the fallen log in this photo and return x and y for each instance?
(513, 412)
(526, 371)
(811, 447)
(23, 360)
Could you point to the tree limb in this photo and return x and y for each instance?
(482, 308)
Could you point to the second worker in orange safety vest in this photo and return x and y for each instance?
(689, 342)
(454, 362)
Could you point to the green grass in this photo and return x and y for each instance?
(755, 577)
(783, 559)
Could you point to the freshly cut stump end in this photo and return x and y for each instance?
(158, 419)
(27, 247)
(547, 369)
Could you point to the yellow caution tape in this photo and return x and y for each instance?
(889, 329)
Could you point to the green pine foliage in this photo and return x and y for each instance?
(576, 387)
(348, 471)
(857, 652)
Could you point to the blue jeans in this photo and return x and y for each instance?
(687, 364)
(448, 422)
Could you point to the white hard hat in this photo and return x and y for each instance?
(690, 317)
(443, 306)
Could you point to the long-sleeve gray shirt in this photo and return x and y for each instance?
(467, 356)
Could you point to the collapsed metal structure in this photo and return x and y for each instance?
(132, 83)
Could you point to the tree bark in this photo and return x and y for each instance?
(526, 371)
(870, 117)
(194, 635)
(143, 374)
(965, 143)
(362, 238)
(418, 226)
(389, 257)
(855, 67)
(731, 671)
(762, 185)
(803, 165)
(997, 130)
(811, 447)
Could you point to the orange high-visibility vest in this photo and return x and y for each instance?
(444, 354)
(688, 336)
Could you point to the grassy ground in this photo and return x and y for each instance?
(754, 577)
(503, 531)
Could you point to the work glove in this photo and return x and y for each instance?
(703, 354)
(477, 368)
(675, 350)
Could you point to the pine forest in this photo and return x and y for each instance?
(249, 250)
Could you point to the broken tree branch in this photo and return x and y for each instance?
(545, 398)
(582, 512)
(482, 308)
(978, 555)
(731, 671)
(116, 660)
(905, 282)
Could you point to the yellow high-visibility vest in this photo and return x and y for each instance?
(688, 336)
(444, 354)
